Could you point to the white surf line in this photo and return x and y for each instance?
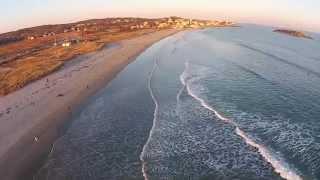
(180, 92)
(45, 163)
(144, 173)
(178, 97)
(279, 165)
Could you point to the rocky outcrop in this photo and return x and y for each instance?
(298, 34)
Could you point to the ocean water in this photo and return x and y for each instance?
(224, 103)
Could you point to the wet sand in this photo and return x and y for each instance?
(33, 117)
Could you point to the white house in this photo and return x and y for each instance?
(133, 27)
(31, 38)
(66, 44)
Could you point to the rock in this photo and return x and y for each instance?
(298, 34)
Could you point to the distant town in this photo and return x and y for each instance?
(107, 25)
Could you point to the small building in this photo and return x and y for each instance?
(229, 23)
(70, 41)
(66, 44)
(209, 24)
(80, 25)
(133, 27)
(185, 23)
(162, 25)
(196, 26)
(30, 37)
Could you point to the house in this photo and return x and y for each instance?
(162, 25)
(179, 25)
(133, 27)
(146, 24)
(196, 26)
(80, 25)
(30, 37)
(229, 23)
(66, 44)
(75, 40)
(185, 23)
(209, 24)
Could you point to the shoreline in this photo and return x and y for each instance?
(36, 114)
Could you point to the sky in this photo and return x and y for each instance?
(296, 14)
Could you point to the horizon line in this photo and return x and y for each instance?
(218, 19)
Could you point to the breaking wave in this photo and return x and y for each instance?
(277, 162)
(143, 153)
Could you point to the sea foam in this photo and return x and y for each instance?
(278, 163)
(143, 153)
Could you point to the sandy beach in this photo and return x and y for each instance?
(33, 117)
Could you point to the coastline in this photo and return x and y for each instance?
(35, 115)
